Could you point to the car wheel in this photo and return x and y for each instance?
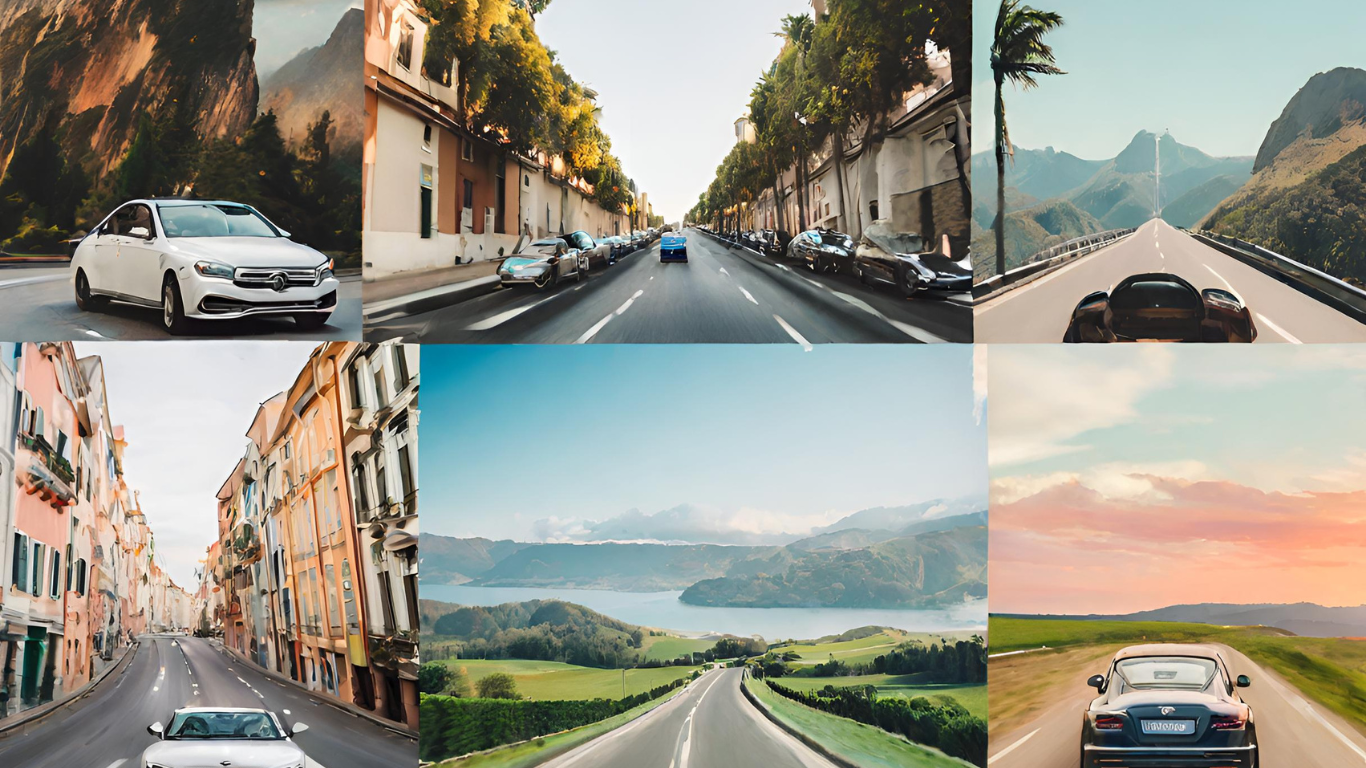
(173, 309)
(909, 285)
(311, 321)
(547, 279)
(863, 276)
(578, 271)
(85, 300)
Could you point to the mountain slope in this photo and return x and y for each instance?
(325, 78)
(1038, 174)
(447, 560)
(1325, 105)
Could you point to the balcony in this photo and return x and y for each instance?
(46, 474)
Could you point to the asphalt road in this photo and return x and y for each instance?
(1290, 730)
(38, 304)
(1040, 311)
(723, 295)
(109, 727)
(709, 725)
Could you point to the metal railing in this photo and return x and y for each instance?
(1044, 261)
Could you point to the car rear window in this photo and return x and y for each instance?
(1167, 673)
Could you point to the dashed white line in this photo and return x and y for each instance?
(503, 317)
(1221, 277)
(1300, 703)
(1011, 748)
(797, 337)
(628, 303)
(724, 272)
(591, 332)
(1279, 330)
(118, 762)
(751, 298)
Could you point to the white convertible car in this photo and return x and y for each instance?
(242, 738)
(202, 259)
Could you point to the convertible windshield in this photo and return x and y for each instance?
(893, 242)
(223, 725)
(1169, 673)
(209, 220)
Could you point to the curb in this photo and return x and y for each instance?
(30, 716)
(819, 749)
(430, 299)
(350, 709)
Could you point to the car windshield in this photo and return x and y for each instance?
(1166, 673)
(893, 242)
(547, 247)
(209, 220)
(223, 725)
(834, 238)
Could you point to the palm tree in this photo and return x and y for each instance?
(1018, 54)
(798, 30)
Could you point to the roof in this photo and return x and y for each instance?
(1196, 650)
(174, 201)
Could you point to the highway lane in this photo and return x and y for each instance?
(1040, 311)
(38, 304)
(723, 295)
(1291, 730)
(708, 725)
(108, 728)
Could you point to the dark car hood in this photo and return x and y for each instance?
(939, 263)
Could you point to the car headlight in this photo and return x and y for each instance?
(327, 270)
(213, 269)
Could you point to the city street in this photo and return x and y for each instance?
(723, 295)
(1290, 730)
(109, 726)
(1040, 311)
(708, 725)
(40, 306)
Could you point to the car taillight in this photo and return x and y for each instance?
(1227, 723)
(1109, 723)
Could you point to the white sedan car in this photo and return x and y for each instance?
(202, 259)
(242, 738)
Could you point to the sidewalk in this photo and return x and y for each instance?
(28, 716)
(410, 293)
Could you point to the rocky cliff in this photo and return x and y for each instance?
(326, 78)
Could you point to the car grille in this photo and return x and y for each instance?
(221, 305)
(266, 277)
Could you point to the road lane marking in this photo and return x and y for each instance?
(1298, 702)
(591, 332)
(724, 272)
(919, 334)
(118, 762)
(1011, 748)
(503, 317)
(797, 337)
(751, 298)
(629, 302)
(31, 281)
(1221, 277)
(1283, 332)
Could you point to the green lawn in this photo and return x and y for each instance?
(665, 648)
(861, 744)
(972, 697)
(537, 751)
(865, 649)
(555, 681)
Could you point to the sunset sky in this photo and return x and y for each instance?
(1135, 477)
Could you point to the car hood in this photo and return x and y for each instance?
(234, 753)
(938, 262)
(248, 251)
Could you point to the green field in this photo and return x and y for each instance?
(555, 681)
(972, 697)
(861, 744)
(864, 649)
(665, 648)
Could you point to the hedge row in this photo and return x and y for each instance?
(948, 727)
(454, 726)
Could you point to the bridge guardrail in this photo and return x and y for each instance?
(1339, 294)
(1046, 261)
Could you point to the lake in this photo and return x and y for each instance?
(663, 610)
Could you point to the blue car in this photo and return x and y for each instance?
(673, 246)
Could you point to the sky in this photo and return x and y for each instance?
(1134, 477)
(185, 408)
(529, 442)
(1216, 74)
(672, 78)
(282, 28)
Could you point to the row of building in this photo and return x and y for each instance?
(438, 193)
(314, 571)
(79, 576)
(914, 174)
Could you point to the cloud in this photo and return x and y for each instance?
(1045, 397)
(698, 524)
(979, 382)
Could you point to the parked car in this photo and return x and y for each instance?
(823, 250)
(673, 246)
(899, 259)
(236, 736)
(1160, 306)
(1169, 704)
(776, 242)
(201, 259)
(542, 264)
(590, 248)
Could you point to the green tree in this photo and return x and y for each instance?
(1018, 55)
(499, 685)
(433, 678)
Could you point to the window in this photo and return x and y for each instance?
(427, 137)
(401, 376)
(467, 150)
(39, 560)
(386, 600)
(872, 210)
(424, 221)
(55, 579)
(405, 469)
(405, 46)
(19, 571)
(467, 201)
(333, 613)
(381, 396)
(358, 479)
(353, 378)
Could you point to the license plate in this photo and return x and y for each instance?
(1168, 727)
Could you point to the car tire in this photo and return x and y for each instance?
(863, 276)
(85, 300)
(578, 272)
(173, 317)
(311, 321)
(904, 283)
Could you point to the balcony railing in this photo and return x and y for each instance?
(48, 472)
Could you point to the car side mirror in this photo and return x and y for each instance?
(156, 730)
(1226, 318)
(141, 232)
(298, 729)
(1097, 682)
(1088, 320)
(1244, 681)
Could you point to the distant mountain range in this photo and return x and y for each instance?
(916, 556)
(1305, 619)
(326, 78)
